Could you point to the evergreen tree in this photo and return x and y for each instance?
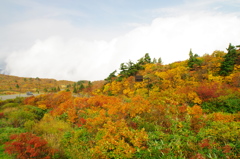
(80, 82)
(17, 86)
(230, 58)
(238, 55)
(45, 90)
(147, 58)
(111, 76)
(81, 87)
(74, 89)
(193, 60)
(130, 68)
(154, 60)
(159, 60)
(123, 69)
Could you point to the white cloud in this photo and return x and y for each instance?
(73, 58)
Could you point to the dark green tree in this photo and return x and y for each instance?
(193, 60)
(75, 89)
(159, 60)
(230, 59)
(80, 82)
(130, 68)
(17, 86)
(123, 69)
(238, 55)
(81, 87)
(89, 87)
(111, 76)
(147, 58)
(154, 60)
(45, 90)
(54, 89)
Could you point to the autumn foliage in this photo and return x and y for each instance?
(185, 109)
(27, 145)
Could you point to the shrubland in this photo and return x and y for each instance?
(187, 109)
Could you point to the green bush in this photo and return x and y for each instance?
(217, 136)
(4, 123)
(7, 101)
(28, 125)
(7, 131)
(19, 117)
(52, 130)
(39, 113)
(50, 125)
(9, 105)
(18, 100)
(76, 144)
(223, 104)
(222, 132)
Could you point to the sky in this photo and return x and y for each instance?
(87, 40)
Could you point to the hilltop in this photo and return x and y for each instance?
(198, 78)
(13, 84)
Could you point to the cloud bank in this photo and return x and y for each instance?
(71, 57)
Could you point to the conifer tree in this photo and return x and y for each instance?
(193, 61)
(111, 76)
(74, 89)
(147, 58)
(81, 87)
(230, 58)
(154, 60)
(159, 60)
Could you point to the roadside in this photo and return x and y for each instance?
(13, 96)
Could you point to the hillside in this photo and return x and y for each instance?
(13, 84)
(188, 109)
(193, 81)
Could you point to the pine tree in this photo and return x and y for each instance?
(193, 60)
(159, 60)
(81, 87)
(74, 89)
(227, 66)
(154, 60)
(111, 76)
(147, 58)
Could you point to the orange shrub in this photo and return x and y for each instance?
(222, 117)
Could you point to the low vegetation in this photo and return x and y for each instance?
(188, 109)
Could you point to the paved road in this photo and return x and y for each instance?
(13, 96)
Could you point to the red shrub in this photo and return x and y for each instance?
(227, 149)
(81, 122)
(1, 115)
(27, 145)
(207, 91)
(198, 156)
(204, 143)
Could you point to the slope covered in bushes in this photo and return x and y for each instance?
(186, 109)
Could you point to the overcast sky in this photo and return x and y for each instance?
(89, 39)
